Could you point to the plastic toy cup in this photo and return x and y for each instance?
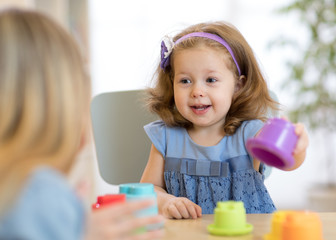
(140, 191)
(278, 218)
(302, 225)
(274, 144)
(109, 199)
(230, 219)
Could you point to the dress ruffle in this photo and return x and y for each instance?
(246, 186)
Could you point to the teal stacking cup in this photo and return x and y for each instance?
(141, 191)
(230, 219)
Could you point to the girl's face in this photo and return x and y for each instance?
(203, 86)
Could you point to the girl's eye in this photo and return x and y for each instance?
(211, 80)
(185, 81)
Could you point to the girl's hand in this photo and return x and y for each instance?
(299, 152)
(118, 222)
(180, 207)
(303, 140)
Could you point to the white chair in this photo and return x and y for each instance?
(122, 146)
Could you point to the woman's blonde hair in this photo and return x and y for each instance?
(44, 98)
(252, 101)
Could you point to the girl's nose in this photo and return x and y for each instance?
(197, 91)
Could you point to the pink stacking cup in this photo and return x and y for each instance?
(275, 143)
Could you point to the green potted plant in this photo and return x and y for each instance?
(312, 80)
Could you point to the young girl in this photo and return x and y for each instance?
(44, 109)
(211, 97)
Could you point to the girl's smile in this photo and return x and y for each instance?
(200, 109)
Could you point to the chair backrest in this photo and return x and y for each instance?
(122, 146)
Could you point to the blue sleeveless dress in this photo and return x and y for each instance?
(206, 175)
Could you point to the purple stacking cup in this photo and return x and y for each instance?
(275, 143)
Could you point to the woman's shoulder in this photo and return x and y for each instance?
(47, 183)
(49, 180)
(47, 208)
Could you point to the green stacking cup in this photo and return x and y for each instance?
(230, 219)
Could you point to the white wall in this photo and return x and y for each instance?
(125, 46)
(126, 36)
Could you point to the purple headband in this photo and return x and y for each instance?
(167, 47)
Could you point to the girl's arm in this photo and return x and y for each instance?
(301, 146)
(169, 205)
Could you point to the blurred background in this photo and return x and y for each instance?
(294, 41)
